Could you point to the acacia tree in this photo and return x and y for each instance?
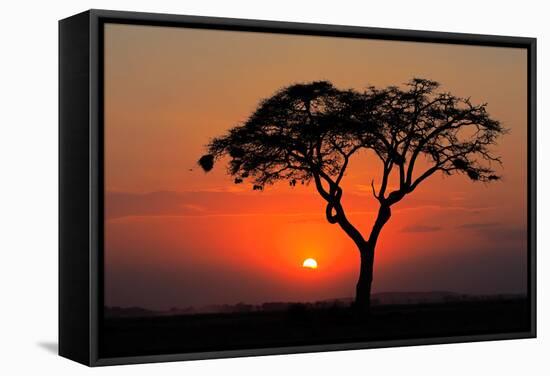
(309, 132)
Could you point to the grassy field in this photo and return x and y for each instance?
(305, 326)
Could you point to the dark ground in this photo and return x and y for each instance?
(305, 326)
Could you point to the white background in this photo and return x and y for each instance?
(28, 186)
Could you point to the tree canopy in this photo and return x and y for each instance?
(302, 130)
(453, 134)
(310, 131)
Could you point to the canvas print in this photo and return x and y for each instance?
(269, 190)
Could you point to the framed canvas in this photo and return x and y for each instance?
(236, 187)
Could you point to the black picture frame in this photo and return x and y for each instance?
(81, 173)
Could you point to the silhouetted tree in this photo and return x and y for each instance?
(309, 132)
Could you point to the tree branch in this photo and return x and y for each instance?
(373, 190)
(423, 177)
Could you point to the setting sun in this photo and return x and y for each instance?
(310, 263)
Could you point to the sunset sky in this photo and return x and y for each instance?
(176, 237)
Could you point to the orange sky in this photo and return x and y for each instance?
(176, 237)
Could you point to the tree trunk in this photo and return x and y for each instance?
(364, 284)
(335, 214)
(363, 289)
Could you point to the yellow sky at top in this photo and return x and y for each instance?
(169, 90)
